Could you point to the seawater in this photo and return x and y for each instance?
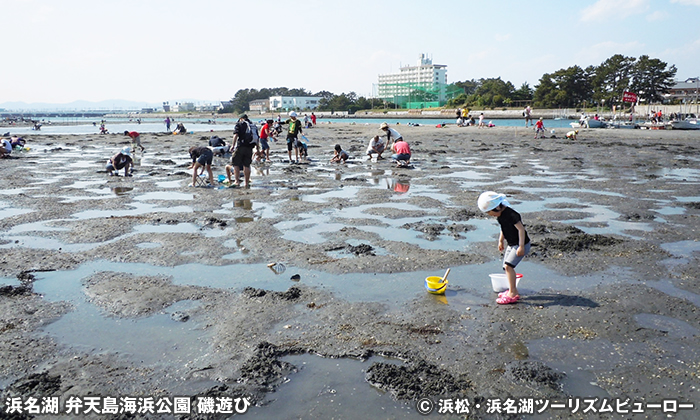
(86, 125)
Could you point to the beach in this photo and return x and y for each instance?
(146, 287)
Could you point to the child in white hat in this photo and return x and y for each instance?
(513, 240)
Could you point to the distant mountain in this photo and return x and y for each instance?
(114, 104)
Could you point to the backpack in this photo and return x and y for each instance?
(250, 136)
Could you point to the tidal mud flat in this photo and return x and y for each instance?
(146, 287)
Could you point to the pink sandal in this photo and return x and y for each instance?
(507, 300)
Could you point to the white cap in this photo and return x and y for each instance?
(292, 114)
(489, 200)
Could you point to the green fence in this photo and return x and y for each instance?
(422, 105)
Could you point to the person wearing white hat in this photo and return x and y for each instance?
(292, 136)
(513, 240)
(391, 134)
(121, 160)
(5, 147)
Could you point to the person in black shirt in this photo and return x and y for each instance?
(513, 240)
(293, 132)
(244, 142)
(202, 157)
(121, 160)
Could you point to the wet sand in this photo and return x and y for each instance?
(145, 286)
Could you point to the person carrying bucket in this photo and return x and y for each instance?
(513, 234)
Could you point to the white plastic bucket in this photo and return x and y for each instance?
(499, 281)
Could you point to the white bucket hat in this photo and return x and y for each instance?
(292, 114)
(489, 200)
(126, 151)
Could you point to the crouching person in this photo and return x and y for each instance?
(202, 157)
(121, 160)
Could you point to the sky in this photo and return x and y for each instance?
(60, 51)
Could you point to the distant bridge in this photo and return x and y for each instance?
(57, 114)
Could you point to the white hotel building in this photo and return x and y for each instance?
(420, 86)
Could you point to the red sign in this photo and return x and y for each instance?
(629, 97)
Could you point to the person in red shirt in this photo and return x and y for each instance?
(313, 118)
(266, 133)
(135, 140)
(539, 127)
(402, 152)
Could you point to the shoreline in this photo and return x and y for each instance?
(608, 306)
(448, 114)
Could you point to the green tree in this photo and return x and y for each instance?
(524, 93)
(241, 100)
(340, 102)
(363, 103)
(545, 92)
(458, 101)
(324, 94)
(493, 92)
(564, 88)
(295, 92)
(651, 79)
(612, 78)
(469, 86)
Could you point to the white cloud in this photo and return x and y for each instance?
(683, 56)
(690, 48)
(614, 9)
(688, 2)
(503, 37)
(657, 16)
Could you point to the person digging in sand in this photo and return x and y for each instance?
(135, 140)
(340, 155)
(512, 234)
(202, 157)
(376, 145)
(121, 160)
(402, 153)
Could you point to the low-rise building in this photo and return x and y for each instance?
(687, 91)
(207, 108)
(182, 107)
(289, 103)
(259, 105)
